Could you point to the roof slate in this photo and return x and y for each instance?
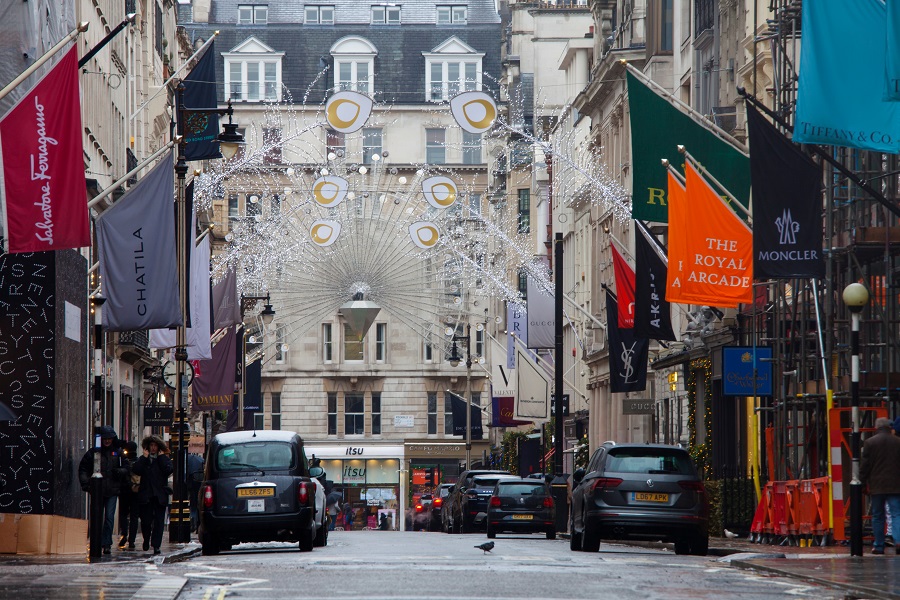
(356, 11)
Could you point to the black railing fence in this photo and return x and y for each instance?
(732, 498)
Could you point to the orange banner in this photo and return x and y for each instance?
(710, 248)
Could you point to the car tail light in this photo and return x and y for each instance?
(418, 508)
(693, 485)
(548, 502)
(303, 494)
(495, 501)
(602, 483)
(437, 502)
(208, 499)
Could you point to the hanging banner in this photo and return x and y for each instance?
(624, 289)
(516, 326)
(213, 385)
(787, 205)
(657, 128)
(532, 390)
(627, 354)
(201, 127)
(847, 109)
(541, 307)
(892, 52)
(710, 259)
(458, 408)
(652, 313)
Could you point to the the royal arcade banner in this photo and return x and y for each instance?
(840, 93)
(657, 128)
(787, 205)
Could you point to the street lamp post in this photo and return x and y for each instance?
(454, 362)
(95, 489)
(267, 314)
(230, 139)
(855, 296)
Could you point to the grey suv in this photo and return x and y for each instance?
(649, 491)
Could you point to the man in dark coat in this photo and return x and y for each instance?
(129, 509)
(154, 467)
(880, 470)
(114, 469)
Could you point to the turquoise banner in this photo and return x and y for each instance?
(840, 96)
(892, 53)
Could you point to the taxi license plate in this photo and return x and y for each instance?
(649, 497)
(523, 517)
(255, 492)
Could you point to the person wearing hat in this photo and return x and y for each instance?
(154, 468)
(114, 467)
(880, 470)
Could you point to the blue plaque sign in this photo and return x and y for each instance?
(739, 363)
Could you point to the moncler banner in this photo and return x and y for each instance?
(710, 258)
(627, 353)
(540, 310)
(201, 128)
(652, 313)
(136, 243)
(213, 388)
(787, 205)
(624, 289)
(44, 192)
(458, 407)
(657, 128)
(892, 52)
(852, 111)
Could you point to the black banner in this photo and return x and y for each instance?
(627, 353)
(253, 391)
(201, 128)
(787, 205)
(652, 314)
(458, 406)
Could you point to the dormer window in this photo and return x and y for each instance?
(253, 72)
(451, 68)
(385, 14)
(354, 65)
(253, 14)
(319, 15)
(452, 15)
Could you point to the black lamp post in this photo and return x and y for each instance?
(96, 485)
(229, 140)
(855, 296)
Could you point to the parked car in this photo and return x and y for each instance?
(258, 486)
(468, 500)
(649, 491)
(437, 506)
(522, 506)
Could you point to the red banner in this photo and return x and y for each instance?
(624, 289)
(43, 165)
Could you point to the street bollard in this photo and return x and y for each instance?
(559, 487)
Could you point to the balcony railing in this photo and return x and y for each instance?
(136, 339)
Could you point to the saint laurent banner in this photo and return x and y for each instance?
(627, 354)
(624, 289)
(710, 259)
(849, 109)
(213, 387)
(540, 310)
(652, 313)
(787, 205)
(657, 128)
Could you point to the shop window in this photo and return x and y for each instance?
(376, 413)
(354, 414)
(332, 413)
(432, 413)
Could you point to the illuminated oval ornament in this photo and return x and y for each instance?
(348, 111)
(324, 232)
(474, 111)
(424, 234)
(440, 192)
(329, 191)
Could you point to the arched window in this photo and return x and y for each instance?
(354, 65)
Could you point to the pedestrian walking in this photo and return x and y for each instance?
(348, 517)
(154, 468)
(114, 468)
(880, 471)
(129, 509)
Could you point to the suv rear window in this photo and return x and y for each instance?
(650, 461)
(255, 455)
(486, 481)
(520, 489)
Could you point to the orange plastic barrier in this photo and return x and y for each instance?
(796, 510)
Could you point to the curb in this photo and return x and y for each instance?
(863, 591)
(181, 555)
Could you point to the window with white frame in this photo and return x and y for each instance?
(354, 345)
(372, 143)
(327, 343)
(452, 15)
(376, 413)
(432, 413)
(474, 202)
(253, 72)
(354, 64)
(471, 148)
(280, 345)
(331, 411)
(380, 342)
(451, 68)
(253, 14)
(334, 142)
(448, 413)
(479, 343)
(429, 352)
(354, 413)
(385, 15)
(259, 421)
(276, 410)
(319, 15)
(435, 146)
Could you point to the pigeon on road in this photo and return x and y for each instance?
(487, 547)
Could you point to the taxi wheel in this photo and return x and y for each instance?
(210, 544)
(491, 532)
(575, 541)
(306, 540)
(551, 534)
(321, 536)
(590, 540)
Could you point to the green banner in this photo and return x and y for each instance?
(657, 128)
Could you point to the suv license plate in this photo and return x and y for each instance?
(649, 497)
(523, 517)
